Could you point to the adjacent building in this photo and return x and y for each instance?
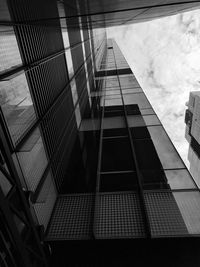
(85, 163)
(192, 134)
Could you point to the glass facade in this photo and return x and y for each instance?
(83, 156)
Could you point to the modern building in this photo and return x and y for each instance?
(85, 163)
(192, 134)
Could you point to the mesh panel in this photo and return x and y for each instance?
(72, 217)
(164, 215)
(119, 216)
(44, 209)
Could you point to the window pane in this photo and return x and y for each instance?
(151, 120)
(108, 97)
(112, 92)
(112, 82)
(113, 122)
(131, 91)
(46, 201)
(4, 184)
(139, 99)
(124, 181)
(189, 205)
(33, 160)
(17, 106)
(90, 125)
(9, 52)
(165, 150)
(74, 91)
(173, 213)
(116, 155)
(147, 111)
(179, 179)
(135, 121)
(78, 116)
(164, 214)
(113, 102)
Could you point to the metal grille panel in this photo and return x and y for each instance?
(164, 214)
(72, 217)
(119, 216)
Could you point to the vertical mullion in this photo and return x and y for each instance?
(96, 200)
(139, 175)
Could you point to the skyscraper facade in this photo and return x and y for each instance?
(84, 158)
(192, 131)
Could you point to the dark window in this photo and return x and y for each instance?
(195, 146)
(115, 132)
(146, 155)
(132, 110)
(124, 181)
(116, 155)
(140, 133)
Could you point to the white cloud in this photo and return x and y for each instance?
(164, 54)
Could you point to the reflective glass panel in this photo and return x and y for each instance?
(32, 159)
(113, 97)
(46, 201)
(113, 122)
(74, 91)
(173, 213)
(131, 91)
(112, 92)
(179, 179)
(151, 120)
(189, 205)
(165, 150)
(139, 99)
(78, 115)
(147, 111)
(113, 102)
(135, 121)
(4, 184)
(9, 51)
(90, 125)
(17, 106)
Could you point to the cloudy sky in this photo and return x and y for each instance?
(164, 54)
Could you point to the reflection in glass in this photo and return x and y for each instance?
(179, 179)
(189, 205)
(113, 102)
(147, 111)
(4, 184)
(74, 91)
(9, 52)
(17, 105)
(90, 125)
(166, 151)
(69, 63)
(112, 97)
(135, 121)
(21, 227)
(78, 115)
(32, 159)
(165, 214)
(112, 82)
(112, 92)
(131, 91)
(113, 123)
(46, 201)
(139, 99)
(61, 11)
(151, 120)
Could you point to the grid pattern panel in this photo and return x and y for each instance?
(72, 218)
(164, 215)
(119, 216)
